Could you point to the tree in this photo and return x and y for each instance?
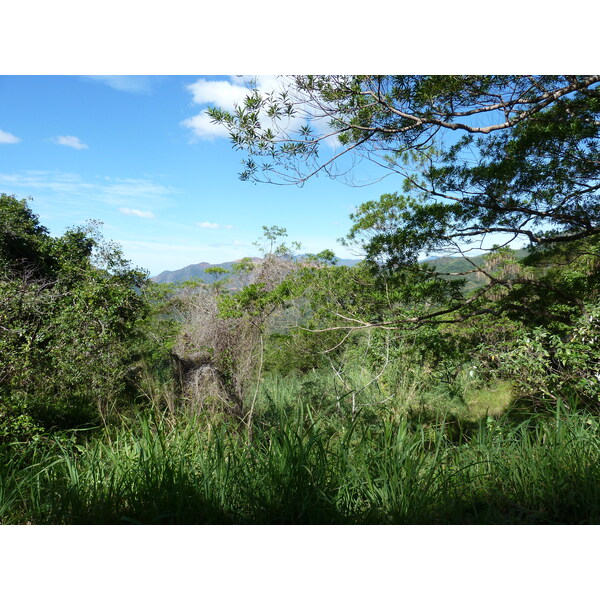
(69, 311)
(479, 157)
(23, 240)
(220, 350)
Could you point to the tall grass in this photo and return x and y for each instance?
(298, 468)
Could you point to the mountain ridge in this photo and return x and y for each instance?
(198, 270)
(441, 263)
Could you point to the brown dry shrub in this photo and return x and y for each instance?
(217, 359)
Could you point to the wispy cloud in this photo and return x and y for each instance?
(53, 181)
(121, 188)
(8, 138)
(83, 198)
(133, 84)
(145, 214)
(70, 140)
(209, 225)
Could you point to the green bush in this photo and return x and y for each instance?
(69, 313)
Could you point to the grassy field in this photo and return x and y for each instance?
(311, 460)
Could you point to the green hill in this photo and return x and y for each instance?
(198, 271)
(445, 264)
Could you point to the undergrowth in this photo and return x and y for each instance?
(300, 468)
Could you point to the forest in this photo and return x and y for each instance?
(293, 390)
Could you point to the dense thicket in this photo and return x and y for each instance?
(70, 310)
(479, 163)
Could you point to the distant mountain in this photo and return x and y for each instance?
(198, 271)
(448, 264)
(443, 264)
(347, 262)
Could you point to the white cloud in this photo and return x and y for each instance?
(221, 93)
(70, 140)
(145, 214)
(203, 128)
(8, 138)
(226, 95)
(209, 225)
(229, 94)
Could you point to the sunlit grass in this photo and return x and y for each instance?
(490, 400)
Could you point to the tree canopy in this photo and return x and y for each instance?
(483, 162)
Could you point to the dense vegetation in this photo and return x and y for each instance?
(463, 390)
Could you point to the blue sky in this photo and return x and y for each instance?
(137, 154)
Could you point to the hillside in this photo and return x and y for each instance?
(448, 264)
(198, 271)
(442, 264)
